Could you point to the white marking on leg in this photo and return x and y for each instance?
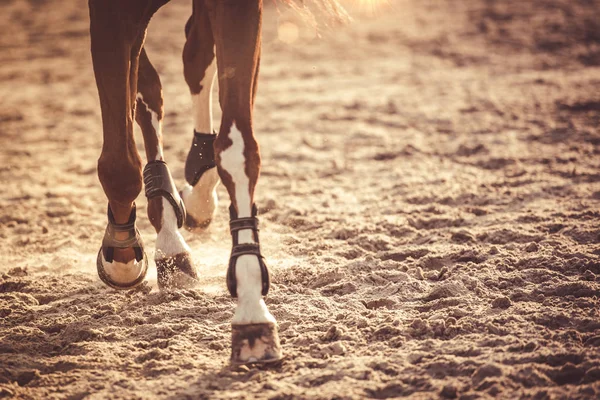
(234, 162)
(169, 241)
(202, 102)
(201, 200)
(156, 124)
(251, 307)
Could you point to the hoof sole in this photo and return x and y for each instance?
(176, 272)
(104, 277)
(255, 344)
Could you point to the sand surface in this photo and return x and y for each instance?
(430, 200)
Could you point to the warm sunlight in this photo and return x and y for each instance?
(370, 6)
(288, 32)
(299, 199)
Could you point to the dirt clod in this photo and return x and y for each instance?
(501, 302)
(485, 371)
(449, 392)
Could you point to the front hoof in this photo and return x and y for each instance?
(255, 343)
(121, 276)
(176, 272)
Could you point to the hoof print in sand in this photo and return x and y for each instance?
(176, 272)
(255, 343)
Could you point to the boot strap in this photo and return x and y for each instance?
(200, 158)
(240, 249)
(134, 239)
(159, 182)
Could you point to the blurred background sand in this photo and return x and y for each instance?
(430, 200)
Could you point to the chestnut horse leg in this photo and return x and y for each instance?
(236, 30)
(117, 32)
(199, 69)
(172, 256)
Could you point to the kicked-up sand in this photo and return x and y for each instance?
(429, 199)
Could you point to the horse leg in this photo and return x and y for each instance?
(199, 69)
(117, 30)
(172, 256)
(236, 29)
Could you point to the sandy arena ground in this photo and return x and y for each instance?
(430, 202)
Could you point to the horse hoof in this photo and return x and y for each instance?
(121, 276)
(192, 224)
(255, 343)
(176, 272)
(201, 201)
(200, 212)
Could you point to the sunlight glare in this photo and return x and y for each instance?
(288, 32)
(370, 6)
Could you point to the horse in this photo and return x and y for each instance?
(222, 39)
(223, 36)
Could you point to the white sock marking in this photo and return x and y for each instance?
(201, 200)
(156, 124)
(169, 241)
(202, 102)
(251, 307)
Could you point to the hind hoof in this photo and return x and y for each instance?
(255, 343)
(176, 272)
(201, 201)
(192, 224)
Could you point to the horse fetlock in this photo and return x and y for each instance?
(201, 200)
(121, 181)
